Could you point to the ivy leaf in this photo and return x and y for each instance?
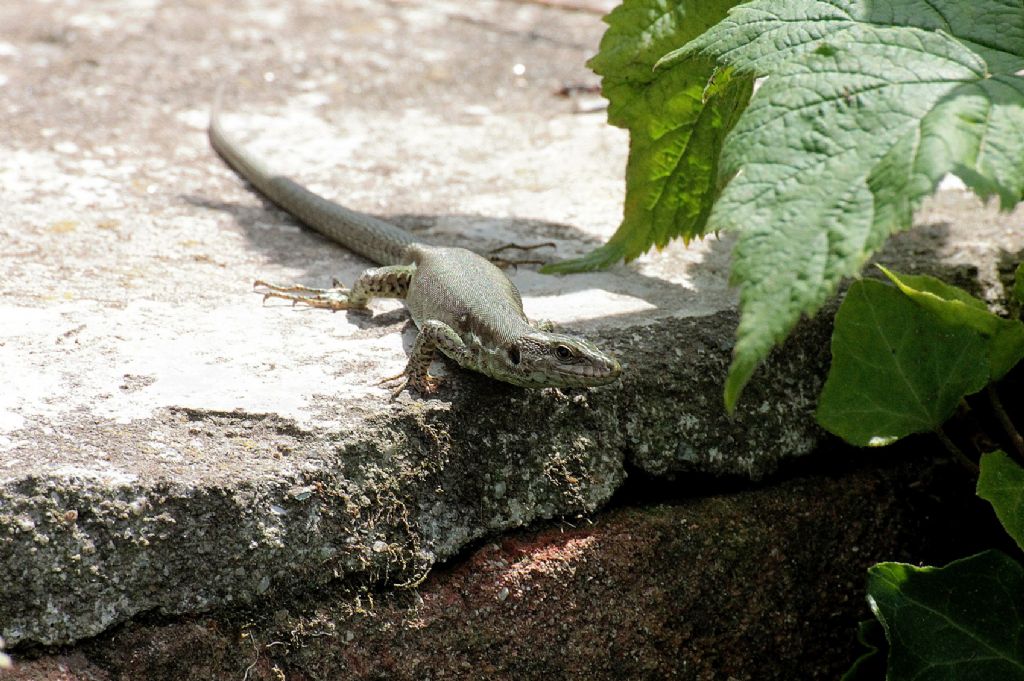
(867, 105)
(1006, 348)
(1005, 337)
(897, 368)
(952, 303)
(870, 666)
(677, 119)
(963, 621)
(1001, 483)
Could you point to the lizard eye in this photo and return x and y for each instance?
(513, 354)
(563, 352)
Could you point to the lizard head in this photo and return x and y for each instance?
(543, 359)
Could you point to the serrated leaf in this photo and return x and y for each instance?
(1004, 337)
(1001, 483)
(867, 105)
(758, 36)
(677, 119)
(897, 368)
(963, 622)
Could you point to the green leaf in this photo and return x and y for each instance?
(963, 622)
(760, 36)
(1005, 337)
(867, 105)
(1006, 348)
(1001, 483)
(952, 303)
(870, 666)
(897, 368)
(677, 120)
(1018, 283)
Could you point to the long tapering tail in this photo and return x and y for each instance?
(370, 237)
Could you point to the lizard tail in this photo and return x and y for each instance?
(370, 237)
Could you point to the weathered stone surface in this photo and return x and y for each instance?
(216, 509)
(168, 444)
(755, 584)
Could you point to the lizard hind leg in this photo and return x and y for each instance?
(380, 282)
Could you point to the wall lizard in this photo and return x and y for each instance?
(463, 305)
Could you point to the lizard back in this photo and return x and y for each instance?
(468, 293)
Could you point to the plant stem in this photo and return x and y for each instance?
(957, 453)
(1004, 420)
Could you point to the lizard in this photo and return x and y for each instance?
(462, 304)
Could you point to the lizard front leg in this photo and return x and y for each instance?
(391, 281)
(433, 335)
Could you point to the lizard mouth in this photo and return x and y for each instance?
(593, 374)
(570, 376)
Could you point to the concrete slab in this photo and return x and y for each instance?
(168, 443)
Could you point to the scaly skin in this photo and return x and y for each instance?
(462, 304)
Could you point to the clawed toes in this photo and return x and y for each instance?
(427, 386)
(336, 287)
(327, 298)
(424, 386)
(403, 380)
(397, 390)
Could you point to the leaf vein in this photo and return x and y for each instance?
(996, 653)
